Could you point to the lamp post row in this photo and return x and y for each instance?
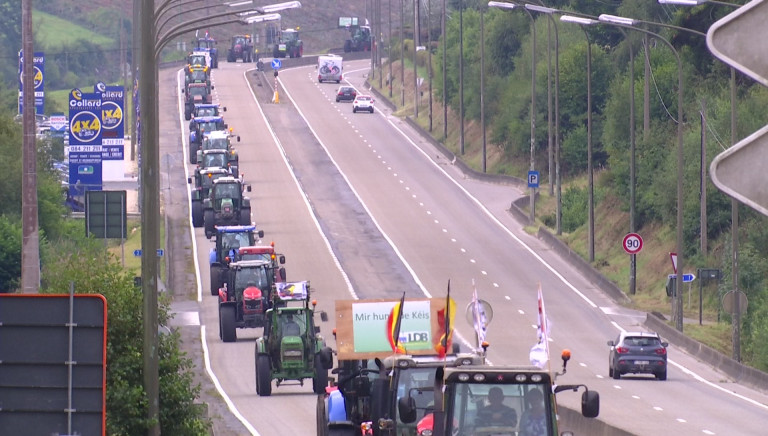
(628, 23)
(150, 43)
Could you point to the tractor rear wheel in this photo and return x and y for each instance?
(197, 213)
(320, 380)
(216, 281)
(227, 323)
(256, 368)
(192, 153)
(263, 375)
(208, 222)
(321, 413)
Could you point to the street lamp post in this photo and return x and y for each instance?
(505, 5)
(583, 23)
(677, 315)
(559, 204)
(151, 43)
(734, 202)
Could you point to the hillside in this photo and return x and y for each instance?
(53, 32)
(316, 19)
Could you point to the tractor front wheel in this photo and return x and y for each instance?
(263, 375)
(245, 216)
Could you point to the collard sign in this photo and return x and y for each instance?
(85, 135)
(113, 134)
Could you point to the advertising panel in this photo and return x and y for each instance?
(112, 121)
(85, 146)
(39, 62)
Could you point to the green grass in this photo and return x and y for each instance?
(53, 33)
(133, 242)
(56, 101)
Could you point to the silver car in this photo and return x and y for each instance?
(638, 353)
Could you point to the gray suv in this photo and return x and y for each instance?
(637, 353)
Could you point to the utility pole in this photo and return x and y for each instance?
(445, 77)
(429, 60)
(402, 54)
(482, 84)
(30, 244)
(416, 32)
(150, 211)
(461, 77)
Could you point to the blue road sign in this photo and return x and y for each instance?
(687, 278)
(160, 252)
(276, 64)
(533, 179)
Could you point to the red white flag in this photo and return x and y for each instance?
(479, 317)
(539, 354)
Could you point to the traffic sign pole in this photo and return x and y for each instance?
(276, 64)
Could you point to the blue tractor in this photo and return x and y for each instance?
(206, 43)
(229, 239)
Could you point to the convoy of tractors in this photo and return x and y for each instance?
(412, 380)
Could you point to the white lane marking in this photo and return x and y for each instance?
(219, 388)
(362, 203)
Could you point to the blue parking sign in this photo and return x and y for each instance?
(533, 179)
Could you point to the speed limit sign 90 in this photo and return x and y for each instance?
(632, 243)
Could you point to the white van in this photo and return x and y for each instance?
(329, 68)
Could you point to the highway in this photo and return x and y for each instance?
(364, 208)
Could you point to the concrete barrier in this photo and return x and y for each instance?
(572, 420)
(737, 371)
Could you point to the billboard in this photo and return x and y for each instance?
(53, 364)
(85, 148)
(112, 121)
(39, 74)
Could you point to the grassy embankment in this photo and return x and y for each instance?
(611, 221)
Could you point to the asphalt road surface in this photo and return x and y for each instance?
(364, 208)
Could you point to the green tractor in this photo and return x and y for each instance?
(289, 45)
(292, 348)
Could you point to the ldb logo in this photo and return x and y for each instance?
(413, 338)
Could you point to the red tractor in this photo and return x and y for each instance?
(241, 48)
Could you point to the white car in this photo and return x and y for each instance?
(362, 103)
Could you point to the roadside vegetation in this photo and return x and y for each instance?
(67, 256)
(507, 100)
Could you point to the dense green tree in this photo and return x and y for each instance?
(10, 42)
(84, 263)
(10, 253)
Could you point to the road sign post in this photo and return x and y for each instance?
(276, 65)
